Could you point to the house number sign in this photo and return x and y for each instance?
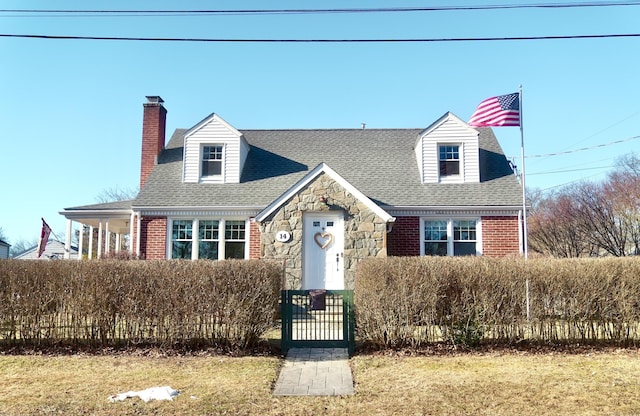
(283, 236)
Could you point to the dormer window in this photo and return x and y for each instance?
(449, 160)
(212, 160)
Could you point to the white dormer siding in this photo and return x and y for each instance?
(214, 131)
(449, 130)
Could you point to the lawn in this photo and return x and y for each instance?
(496, 383)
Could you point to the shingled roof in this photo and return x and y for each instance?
(381, 163)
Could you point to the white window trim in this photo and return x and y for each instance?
(450, 241)
(459, 178)
(195, 242)
(213, 178)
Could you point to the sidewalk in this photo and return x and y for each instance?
(315, 372)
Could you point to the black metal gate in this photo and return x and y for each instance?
(318, 319)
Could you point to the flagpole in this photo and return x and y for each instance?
(524, 206)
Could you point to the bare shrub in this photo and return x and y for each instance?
(407, 302)
(108, 302)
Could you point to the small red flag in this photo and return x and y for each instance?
(44, 237)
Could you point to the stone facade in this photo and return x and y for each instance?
(364, 231)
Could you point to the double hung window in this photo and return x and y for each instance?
(449, 160)
(212, 160)
(215, 239)
(450, 237)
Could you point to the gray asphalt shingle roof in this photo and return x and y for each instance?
(381, 163)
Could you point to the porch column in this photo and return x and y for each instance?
(221, 239)
(67, 241)
(118, 243)
(107, 235)
(80, 241)
(195, 245)
(138, 238)
(90, 250)
(132, 221)
(99, 254)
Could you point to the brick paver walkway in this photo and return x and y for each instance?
(315, 372)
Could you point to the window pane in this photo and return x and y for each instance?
(208, 230)
(182, 230)
(234, 230)
(234, 250)
(210, 168)
(212, 153)
(181, 250)
(464, 249)
(435, 249)
(449, 168)
(435, 230)
(464, 230)
(208, 250)
(449, 153)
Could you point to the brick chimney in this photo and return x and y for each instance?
(153, 135)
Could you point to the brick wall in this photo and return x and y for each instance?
(254, 240)
(404, 238)
(153, 137)
(153, 238)
(500, 236)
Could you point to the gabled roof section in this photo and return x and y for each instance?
(213, 117)
(448, 116)
(308, 178)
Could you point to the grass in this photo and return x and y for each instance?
(496, 383)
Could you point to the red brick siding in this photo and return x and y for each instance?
(255, 251)
(500, 236)
(153, 238)
(404, 238)
(153, 136)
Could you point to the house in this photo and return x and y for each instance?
(4, 249)
(320, 200)
(54, 250)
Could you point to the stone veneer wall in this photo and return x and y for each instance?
(364, 233)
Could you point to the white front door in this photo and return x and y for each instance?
(323, 246)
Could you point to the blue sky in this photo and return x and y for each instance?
(71, 110)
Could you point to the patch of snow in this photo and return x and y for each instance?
(152, 393)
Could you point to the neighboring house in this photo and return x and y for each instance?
(4, 249)
(320, 199)
(53, 251)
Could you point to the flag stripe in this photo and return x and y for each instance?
(503, 110)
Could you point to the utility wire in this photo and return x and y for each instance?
(412, 40)
(585, 148)
(327, 11)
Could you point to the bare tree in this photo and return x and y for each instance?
(116, 194)
(623, 188)
(22, 245)
(553, 227)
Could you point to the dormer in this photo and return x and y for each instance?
(448, 152)
(214, 152)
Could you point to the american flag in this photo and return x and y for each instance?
(503, 110)
(44, 237)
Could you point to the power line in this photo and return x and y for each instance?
(569, 170)
(328, 11)
(249, 40)
(585, 148)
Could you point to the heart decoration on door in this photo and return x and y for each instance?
(323, 239)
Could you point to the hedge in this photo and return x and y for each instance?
(412, 301)
(112, 302)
